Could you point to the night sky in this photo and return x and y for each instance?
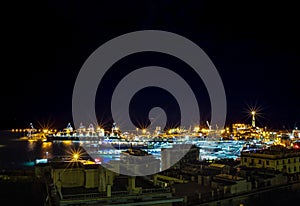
(254, 46)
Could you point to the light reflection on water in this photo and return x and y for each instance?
(16, 153)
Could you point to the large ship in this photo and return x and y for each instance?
(99, 138)
(83, 133)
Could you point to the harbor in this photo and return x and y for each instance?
(104, 145)
(68, 155)
(93, 151)
(91, 164)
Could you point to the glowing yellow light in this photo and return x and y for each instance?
(144, 131)
(76, 156)
(67, 142)
(253, 112)
(12, 130)
(45, 130)
(88, 162)
(46, 144)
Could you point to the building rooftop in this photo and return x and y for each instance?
(229, 177)
(217, 165)
(66, 164)
(273, 152)
(190, 189)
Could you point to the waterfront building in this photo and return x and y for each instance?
(246, 131)
(277, 158)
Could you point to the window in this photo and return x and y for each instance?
(289, 161)
(282, 161)
(259, 161)
(268, 162)
(245, 159)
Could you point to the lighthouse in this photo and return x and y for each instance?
(253, 118)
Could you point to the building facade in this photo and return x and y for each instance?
(276, 158)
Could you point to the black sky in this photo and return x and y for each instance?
(253, 44)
